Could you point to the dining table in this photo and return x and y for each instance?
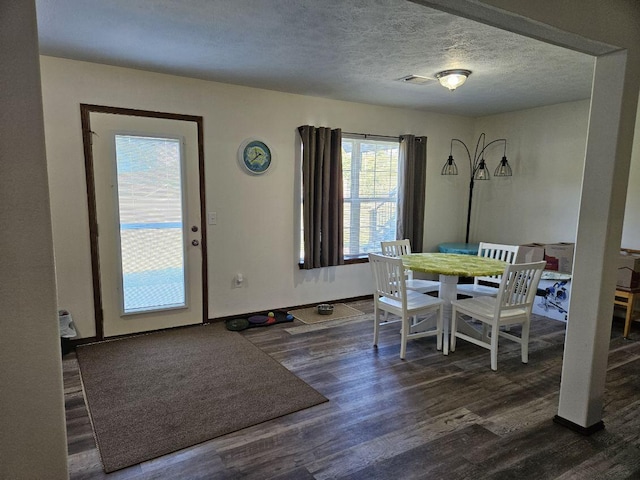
(450, 267)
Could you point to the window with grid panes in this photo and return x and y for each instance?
(370, 176)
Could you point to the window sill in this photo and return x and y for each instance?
(349, 261)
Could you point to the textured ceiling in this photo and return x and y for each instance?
(355, 50)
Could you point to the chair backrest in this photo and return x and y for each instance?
(519, 285)
(396, 248)
(388, 275)
(506, 253)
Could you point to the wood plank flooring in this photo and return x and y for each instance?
(427, 417)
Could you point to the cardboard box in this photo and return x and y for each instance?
(628, 270)
(553, 299)
(530, 252)
(559, 256)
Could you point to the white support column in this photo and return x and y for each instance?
(33, 442)
(599, 232)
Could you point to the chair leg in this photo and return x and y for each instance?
(629, 315)
(403, 337)
(376, 325)
(440, 333)
(494, 347)
(524, 339)
(454, 329)
(627, 321)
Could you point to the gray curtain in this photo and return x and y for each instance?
(411, 190)
(322, 196)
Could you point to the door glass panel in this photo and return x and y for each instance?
(150, 209)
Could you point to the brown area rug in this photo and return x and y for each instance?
(153, 394)
(310, 315)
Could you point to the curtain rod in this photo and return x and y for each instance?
(365, 135)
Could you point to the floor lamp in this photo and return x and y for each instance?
(477, 167)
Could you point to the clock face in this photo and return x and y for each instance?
(256, 156)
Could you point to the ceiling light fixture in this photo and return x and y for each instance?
(452, 79)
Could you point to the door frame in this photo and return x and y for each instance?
(87, 142)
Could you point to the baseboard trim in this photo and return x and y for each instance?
(586, 431)
(82, 341)
(294, 307)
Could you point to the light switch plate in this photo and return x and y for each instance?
(212, 218)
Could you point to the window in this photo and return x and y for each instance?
(370, 175)
(150, 209)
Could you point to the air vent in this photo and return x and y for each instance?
(416, 79)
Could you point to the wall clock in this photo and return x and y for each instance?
(255, 156)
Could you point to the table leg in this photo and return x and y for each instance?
(448, 292)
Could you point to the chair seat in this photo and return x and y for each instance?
(483, 308)
(415, 301)
(423, 286)
(473, 290)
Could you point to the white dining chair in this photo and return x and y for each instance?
(512, 306)
(396, 248)
(488, 285)
(391, 295)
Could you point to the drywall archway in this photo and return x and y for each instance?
(608, 33)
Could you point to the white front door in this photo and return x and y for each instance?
(147, 206)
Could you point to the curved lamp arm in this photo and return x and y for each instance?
(476, 160)
(492, 142)
(465, 147)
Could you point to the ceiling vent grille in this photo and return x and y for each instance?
(416, 79)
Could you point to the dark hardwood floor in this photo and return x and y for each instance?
(427, 417)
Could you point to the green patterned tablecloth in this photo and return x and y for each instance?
(453, 264)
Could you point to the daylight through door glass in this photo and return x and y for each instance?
(150, 207)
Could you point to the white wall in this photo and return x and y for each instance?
(540, 203)
(631, 226)
(546, 148)
(257, 216)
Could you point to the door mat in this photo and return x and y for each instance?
(153, 394)
(310, 315)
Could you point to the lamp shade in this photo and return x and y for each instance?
(503, 169)
(450, 168)
(452, 79)
(482, 173)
